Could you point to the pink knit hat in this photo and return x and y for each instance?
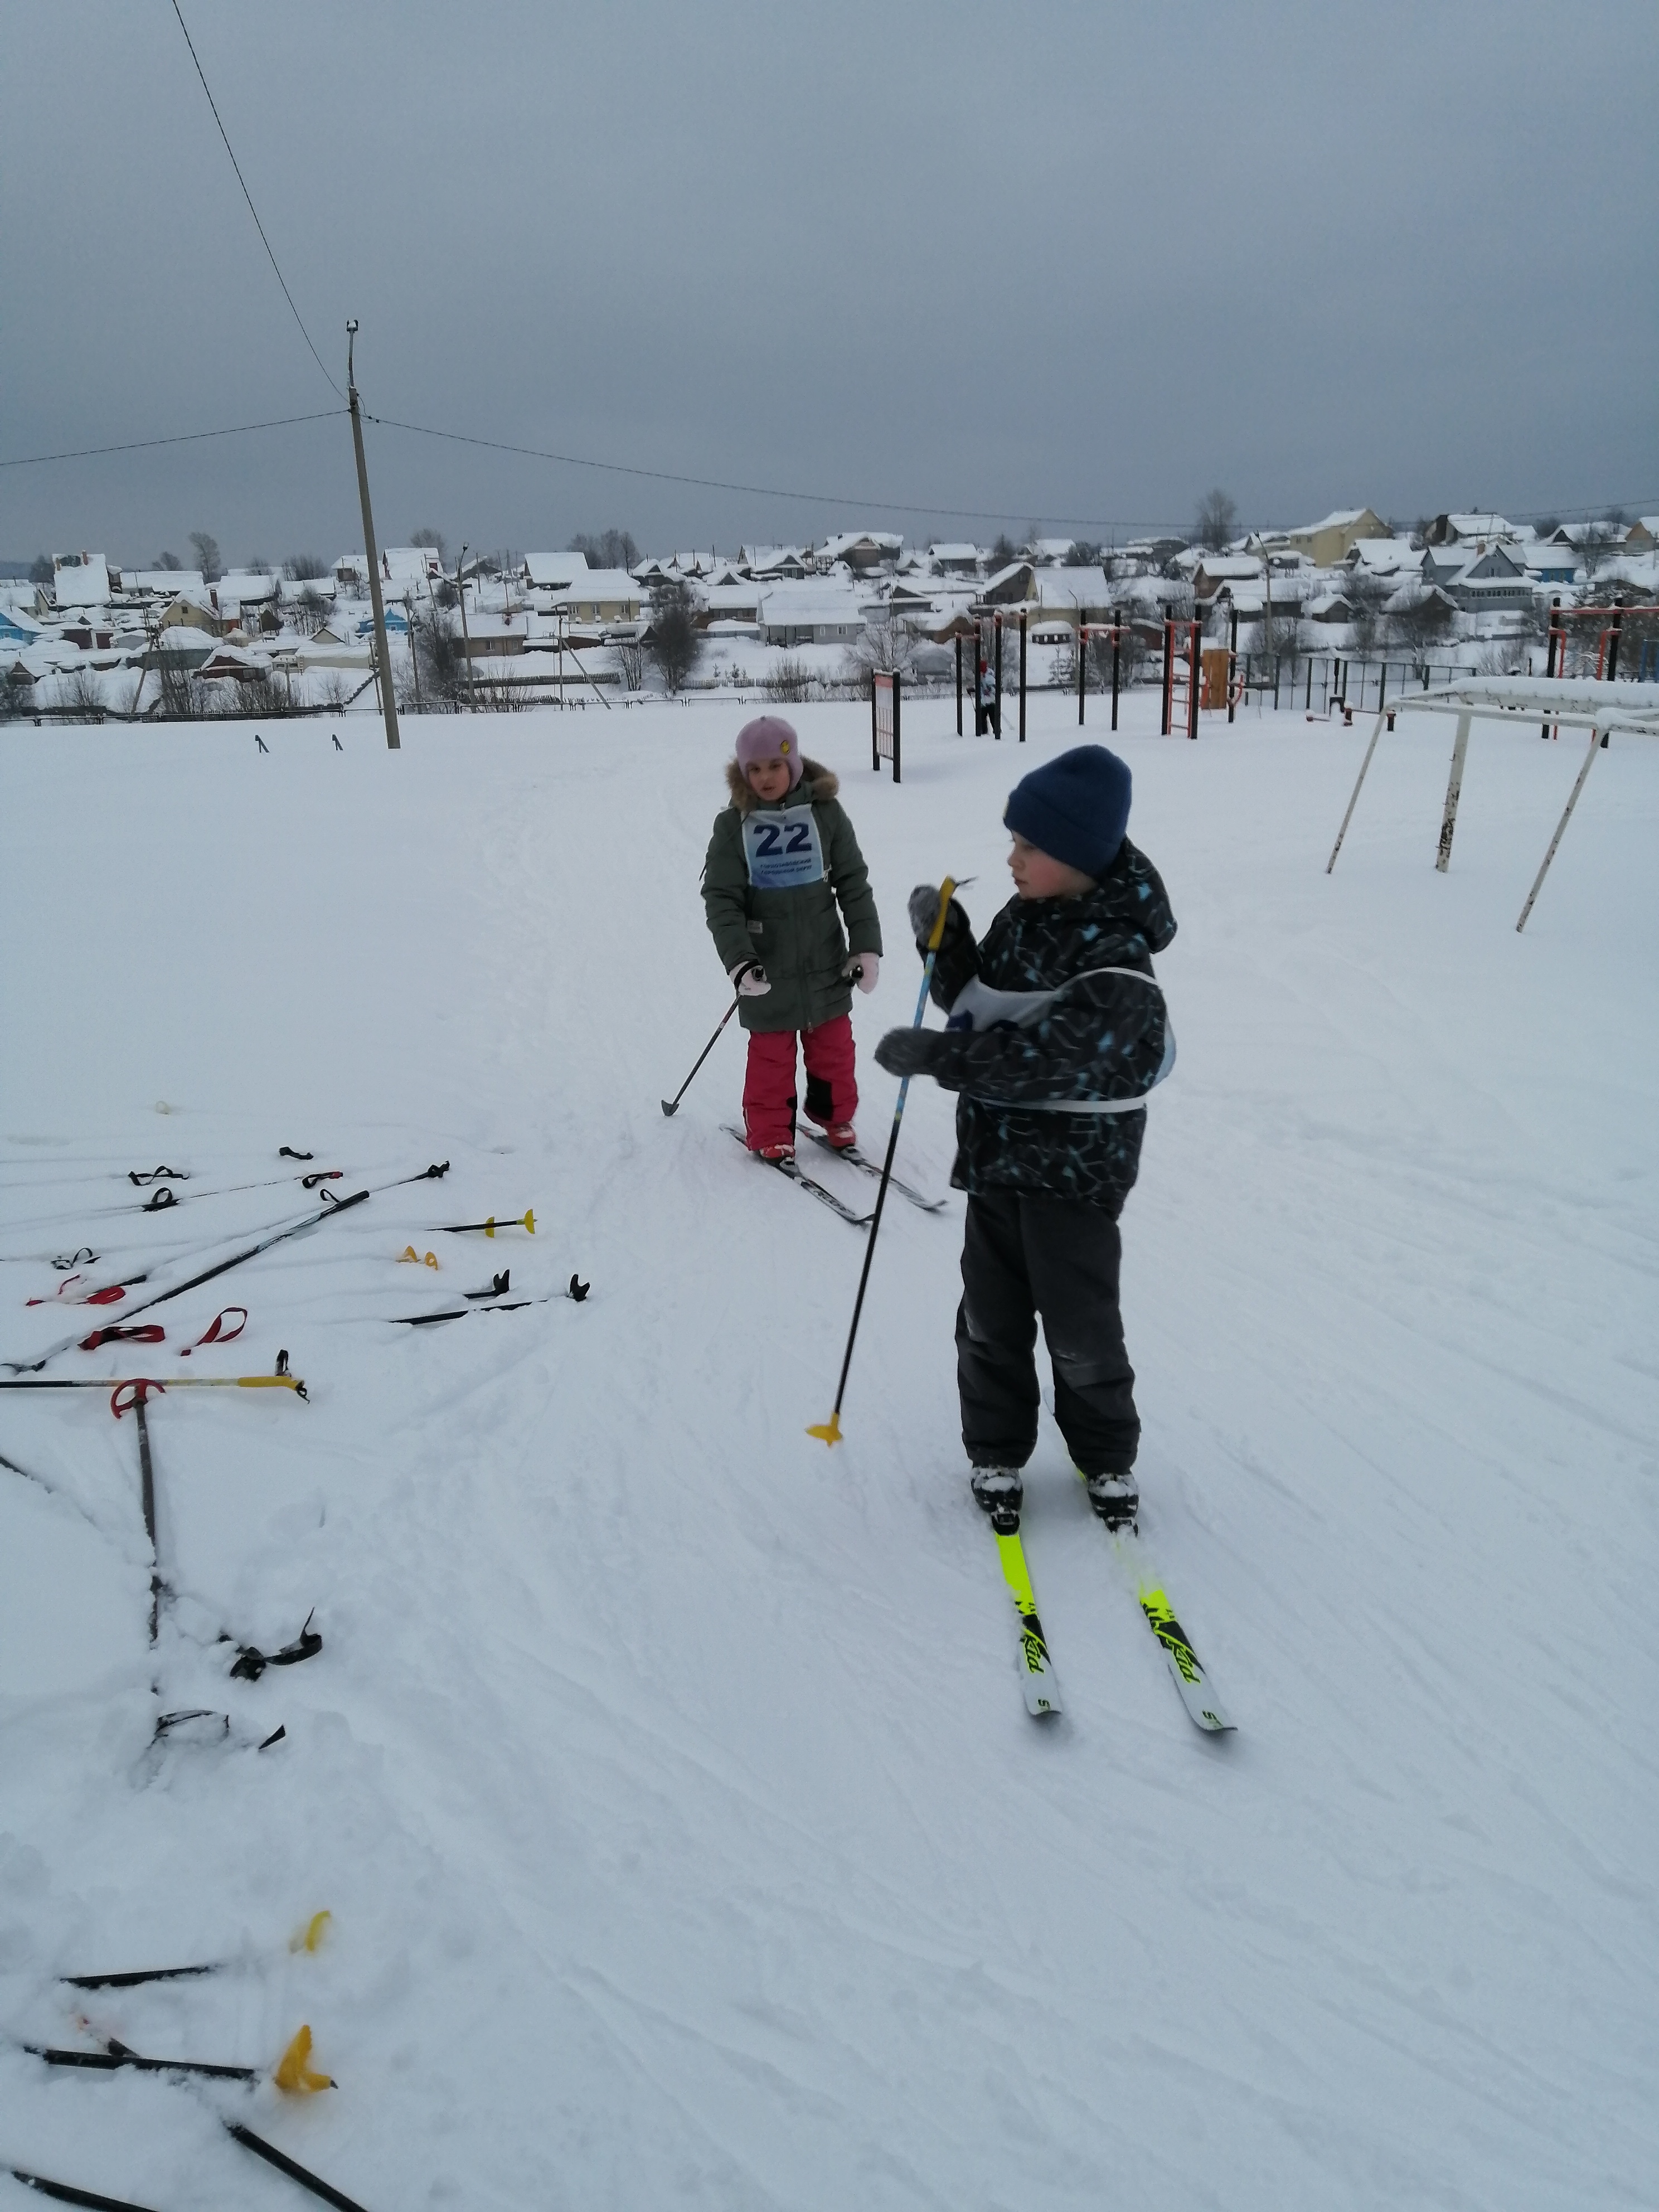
(768, 737)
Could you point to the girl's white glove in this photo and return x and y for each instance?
(751, 979)
(863, 969)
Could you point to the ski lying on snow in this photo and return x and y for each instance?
(856, 1158)
(788, 1168)
(1037, 1668)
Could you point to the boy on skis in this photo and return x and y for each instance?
(1056, 1031)
(781, 858)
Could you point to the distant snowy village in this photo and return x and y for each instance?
(1320, 607)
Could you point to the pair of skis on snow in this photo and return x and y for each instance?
(1038, 1677)
(824, 1196)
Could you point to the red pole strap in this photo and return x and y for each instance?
(144, 1333)
(217, 1332)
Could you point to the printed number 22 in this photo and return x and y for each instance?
(800, 839)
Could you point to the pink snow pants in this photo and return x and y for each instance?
(768, 1087)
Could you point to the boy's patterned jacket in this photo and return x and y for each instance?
(1103, 1038)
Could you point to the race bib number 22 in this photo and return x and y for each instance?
(782, 849)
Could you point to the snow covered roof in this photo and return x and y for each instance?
(1050, 549)
(1340, 518)
(79, 579)
(248, 586)
(1385, 557)
(165, 580)
(551, 571)
(837, 547)
(954, 553)
(1481, 525)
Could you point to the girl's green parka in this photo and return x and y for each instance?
(796, 932)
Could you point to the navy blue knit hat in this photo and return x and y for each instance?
(1075, 808)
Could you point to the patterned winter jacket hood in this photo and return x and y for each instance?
(795, 932)
(1104, 1037)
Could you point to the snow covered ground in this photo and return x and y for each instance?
(667, 1775)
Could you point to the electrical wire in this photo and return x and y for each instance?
(248, 197)
(721, 483)
(184, 438)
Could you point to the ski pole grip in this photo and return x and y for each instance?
(945, 891)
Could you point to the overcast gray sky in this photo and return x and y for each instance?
(1050, 262)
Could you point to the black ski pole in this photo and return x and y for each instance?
(671, 1106)
(830, 1431)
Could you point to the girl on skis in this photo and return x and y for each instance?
(782, 860)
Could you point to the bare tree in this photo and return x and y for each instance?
(790, 681)
(630, 663)
(1597, 543)
(1084, 554)
(169, 561)
(438, 643)
(606, 549)
(207, 556)
(83, 695)
(41, 570)
(434, 540)
(308, 613)
(1218, 521)
(884, 648)
(1002, 553)
(1423, 620)
(262, 693)
(303, 568)
(1365, 594)
(676, 642)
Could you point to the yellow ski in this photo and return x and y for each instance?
(1036, 1668)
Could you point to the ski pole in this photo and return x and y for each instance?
(249, 1251)
(280, 1380)
(526, 1220)
(671, 1106)
(830, 1431)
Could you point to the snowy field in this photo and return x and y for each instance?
(667, 1775)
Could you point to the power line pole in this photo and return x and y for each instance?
(388, 703)
(466, 642)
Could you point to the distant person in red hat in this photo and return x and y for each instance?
(783, 874)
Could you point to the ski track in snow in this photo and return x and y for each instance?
(667, 1775)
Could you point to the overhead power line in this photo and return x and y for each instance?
(749, 491)
(184, 438)
(248, 197)
(706, 483)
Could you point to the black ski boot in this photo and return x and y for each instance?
(999, 1492)
(1115, 1496)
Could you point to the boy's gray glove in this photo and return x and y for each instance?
(908, 1052)
(923, 910)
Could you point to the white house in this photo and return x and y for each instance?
(554, 572)
(861, 549)
(79, 579)
(599, 597)
(809, 615)
(955, 560)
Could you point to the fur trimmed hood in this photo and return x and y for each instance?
(816, 783)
